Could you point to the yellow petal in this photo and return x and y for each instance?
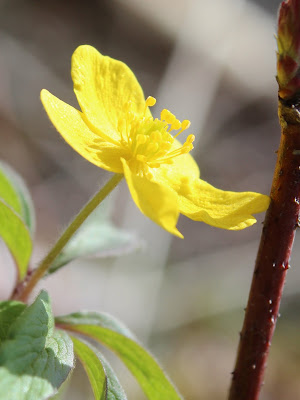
(70, 124)
(157, 202)
(104, 87)
(201, 201)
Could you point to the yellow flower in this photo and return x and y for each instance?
(116, 131)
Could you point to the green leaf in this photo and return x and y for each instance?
(116, 336)
(14, 192)
(93, 368)
(97, 237)
(94, 318)
(8, 193)
(16, 236)
(104, 382)
(16, 217)
(34, 359)
(9, 311)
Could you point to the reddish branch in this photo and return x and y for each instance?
(271, 266)
(281, 218)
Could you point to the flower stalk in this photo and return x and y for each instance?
(281, 220)
(24, 289)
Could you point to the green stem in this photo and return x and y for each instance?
(33, 278)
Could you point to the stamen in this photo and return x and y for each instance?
(170, 161)
(184, 125)
(152, 148)
(166, 146)
(155, 136)
(175, 125)
(150, 101)
(190, 139)
(150, 140)
(141, 139)
(167, 116)
(186, 148)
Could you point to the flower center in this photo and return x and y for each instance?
(149, 140)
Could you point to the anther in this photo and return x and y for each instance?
(141, 139)
(152, 147)
(167, 116)
(176, 124)
(190, 139)
(150, 101)
(185, 124)
(155, 136)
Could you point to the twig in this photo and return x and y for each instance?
(281, 219)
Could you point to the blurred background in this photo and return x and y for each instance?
(210, 62)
